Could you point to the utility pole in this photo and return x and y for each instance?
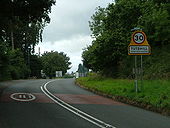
(12, 35)
(12, 28)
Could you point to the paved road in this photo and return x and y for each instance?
(47, 111)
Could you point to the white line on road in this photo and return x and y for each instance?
(74, 110)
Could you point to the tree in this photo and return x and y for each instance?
(4, 60)
(24, 14)
(21, 26)
(111, 32)
(35, 66)
(54, 61)
(28, 10)
(17, 66)
(155, 21)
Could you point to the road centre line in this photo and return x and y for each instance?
(74, 110)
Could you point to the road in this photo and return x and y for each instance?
(61, 104)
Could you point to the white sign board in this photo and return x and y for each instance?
(139, 49)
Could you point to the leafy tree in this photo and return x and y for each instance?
(35, 66)
(155, 21)
(28, 10)
(4, 60)
(111, 30)
(21, 22)
(22, 16)
(54, 61)
(17, 68)
(111, 27)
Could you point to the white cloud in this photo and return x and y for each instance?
(70, 17)
(69, 29)
(72, 47)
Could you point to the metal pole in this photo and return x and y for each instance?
(136, 75)
(12, 27)
(12, 35)
(141, 73)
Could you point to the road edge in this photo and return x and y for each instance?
(164, 112)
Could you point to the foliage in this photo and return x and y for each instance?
(111, 27)
(68, 76)
(28, 10)
(4, 60)
(54, 61)
(35, 66)
(17, 65)
(157, 65)
(21, 22)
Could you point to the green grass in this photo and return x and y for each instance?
(155, 92)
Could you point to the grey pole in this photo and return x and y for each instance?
(141, 73)
(12, 36)
(136, 75)
(12, 29)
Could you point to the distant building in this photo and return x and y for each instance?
(82, 71)
(59, 73)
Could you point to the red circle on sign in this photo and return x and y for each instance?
(138, 37)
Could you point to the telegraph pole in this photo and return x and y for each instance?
(12, 28)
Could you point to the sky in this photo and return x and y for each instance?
(69, 30)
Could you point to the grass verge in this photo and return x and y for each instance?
(155, 95)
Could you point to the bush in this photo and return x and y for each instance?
(4, 62)
(17, 68)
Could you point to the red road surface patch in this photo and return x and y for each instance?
(87, 99)
(68, 98)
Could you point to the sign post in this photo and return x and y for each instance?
(138, 46)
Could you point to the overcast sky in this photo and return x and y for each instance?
(68, 30)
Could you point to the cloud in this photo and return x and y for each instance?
(72, 47)
(70, 17)
(69, 30)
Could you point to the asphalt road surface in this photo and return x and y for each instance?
(61, 104)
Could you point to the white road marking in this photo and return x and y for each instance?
(21, 96)
(30, 96)
(74, 110)
(24, 96)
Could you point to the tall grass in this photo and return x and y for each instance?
(154, 92)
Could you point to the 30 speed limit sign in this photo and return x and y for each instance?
(138, 37)
(139, 44)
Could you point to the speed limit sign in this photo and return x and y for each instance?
(139, 44)
(138, 37)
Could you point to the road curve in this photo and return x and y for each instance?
(45, 112)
